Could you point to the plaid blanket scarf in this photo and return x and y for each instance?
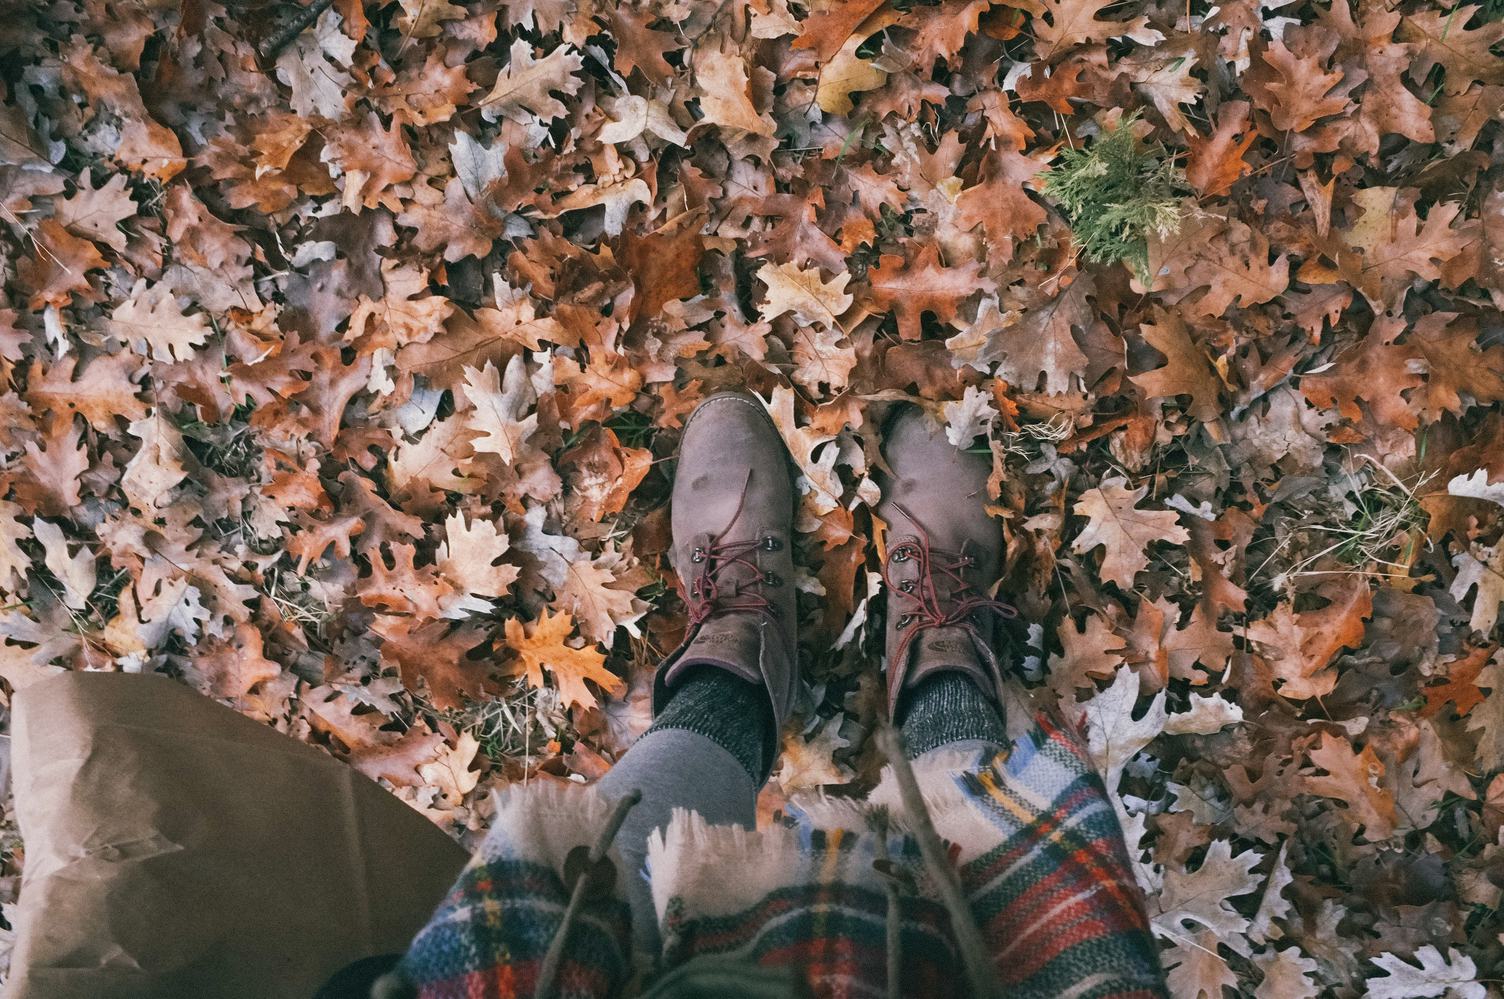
(836, 896)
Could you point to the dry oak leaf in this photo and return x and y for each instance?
(1356, 778)
(818, 480)
(76, 571)
(969, 417)
(404, 588)
(1202, 897)
(57, 268)
(1115, 523)
(1394, 246)
(602, 473)
(822, 358)
(811, 763)
(1060, 25)
(1225, 256)
(1442, 37)
(601, 593)
(427, 652)
(849, 73)
(167, 607)
(151, 323)
(157, 466)
(101, 394)
(1455, 365)
(139, 141)
(1300, 646)
(831, 23)
(13, 559)
(1487, 719)
(1027, 346)
(1164, 74)
(1216, 162)
(725, 90)
(469, 556)
(526, 86)
(1094, 653)
(1387, 106)
(96, 212)
(998, 202)
(1187, 370)
(631, 117)
(910, 288)
(312, 69)
(543, 647)
(425, 18)
(1114, 735)
(491, 335)
(398, 762)
(450, 220)
(451, 774)
(1375, 370)
(230, 668)
(1287, 975)
(1295, 90)
(1483, 567)
(499, 402)
(1460, 683)
(371, 159)
(639, 46)
(1196, 970)
(664, 265)
(802, 292)
(1454, 976)
(55, 472)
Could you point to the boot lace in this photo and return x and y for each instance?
(930, 605)
(714, 589)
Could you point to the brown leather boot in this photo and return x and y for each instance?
(733, 512)
(943, 555)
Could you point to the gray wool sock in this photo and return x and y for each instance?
(732, 713)
(945, 708)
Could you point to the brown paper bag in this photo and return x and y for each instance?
(177, 849)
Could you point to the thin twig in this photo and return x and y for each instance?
(979, 970)
(555, 955)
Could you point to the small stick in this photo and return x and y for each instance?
(555, 955)
(979, 970)
(295, 27)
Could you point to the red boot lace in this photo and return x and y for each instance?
(705, 592)
(933, 608)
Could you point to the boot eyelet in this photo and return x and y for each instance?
(698, 555)
(900, 554)
(903, 621)
(771, 544)
(772, 579)
(907, 586)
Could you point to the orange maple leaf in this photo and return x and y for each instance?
(544, 646)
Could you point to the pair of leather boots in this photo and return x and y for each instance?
(732, 517)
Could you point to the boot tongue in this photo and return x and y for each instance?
(731, 641)
(950, 648)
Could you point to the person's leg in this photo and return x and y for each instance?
(721, 697)
(1038, 847)
(708, 752)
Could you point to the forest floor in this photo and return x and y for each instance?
(343, 370)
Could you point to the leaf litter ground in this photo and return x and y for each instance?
(343, 381)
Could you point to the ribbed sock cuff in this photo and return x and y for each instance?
(730, 712)
(945, 708)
